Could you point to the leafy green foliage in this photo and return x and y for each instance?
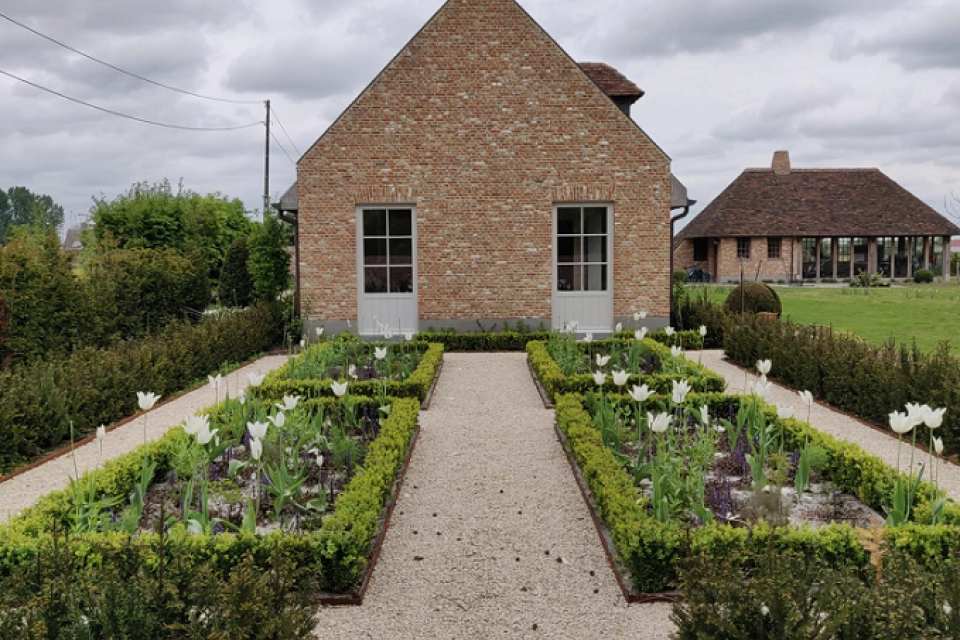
(93, 386)
(20, 207)
(485, 341)
(692, 311)
(154, 216)
(753, 297)
(236, 283)
(269, 262)
(923, 276)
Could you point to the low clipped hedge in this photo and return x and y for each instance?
(689, 340)
(91, 386)
(501, 341)
(555, 382)
(277, 384)
(853, 375)
(336, 553)
(650, 550)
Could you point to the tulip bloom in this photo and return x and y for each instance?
(763, 389)
(258, 430)
(676, 352)
(620, 378)
(588, 337)
(101, 433)
(380, 353)
(784, 412)
(602, 360)
(618, 328)
(763, 366)
(640, 394)
(146, 400)
(339, 388)
(703, 331)
(938, 445)
(900, 422)
(660, 423)
(278, 420)
(806, 398)
(289, 403)
(640, 333)
(705, 414)
(599, 377)
(255, 379)
(670, 331)
(680, 390)
(206, 435)
(256, 449)
(319, 331)
(933, 418)
(195, 423)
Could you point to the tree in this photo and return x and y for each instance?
(269, 262)
(21, 207)
(236, 284)
(155, 216)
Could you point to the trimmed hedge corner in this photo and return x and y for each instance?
(650, 550)
(336, 553)
(277, 384)
(555, 382)
(493, 341)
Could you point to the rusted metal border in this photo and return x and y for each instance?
(355, 598)
(536, 381)
(433, 387)
(619, 571)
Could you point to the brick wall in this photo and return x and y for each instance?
(770, 269)
(483, 124)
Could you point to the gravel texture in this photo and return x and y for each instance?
(841, 425)
(23, 490)
(490, 536)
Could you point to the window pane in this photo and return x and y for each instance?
(400, 222)
(375, 222)
(401, 280)
(568, 278)
(568, 220)
(401, 251)
(374, 252)
(568, 250)
(826, 257)
(773, 248)
(596, 249)
(375, 280)
(594, 220)
(596, 278)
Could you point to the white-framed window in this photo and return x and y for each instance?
(386, 254)
(583, 248)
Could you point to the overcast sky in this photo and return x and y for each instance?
(851, 83)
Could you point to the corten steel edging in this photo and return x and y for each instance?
(433, 387)
(619, 571)
(536, 381)
(67, 448)
(355, 598)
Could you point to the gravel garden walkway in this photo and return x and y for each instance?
(24, 490)
(836, 423)
(490, 536)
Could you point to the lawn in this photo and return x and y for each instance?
(930, 313)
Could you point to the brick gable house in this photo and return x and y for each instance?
(814, 224)
(484, 176)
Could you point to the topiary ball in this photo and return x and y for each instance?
(757, 298)
(923, 275)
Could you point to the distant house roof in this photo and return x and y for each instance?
(781, 201)
(955, 246)
(288, 201)
(611, 82)
(72, 242)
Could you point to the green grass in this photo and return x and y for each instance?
(930, 313)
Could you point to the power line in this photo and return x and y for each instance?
(125, 115)
(282, 149)
(274, 112)
(124, 71)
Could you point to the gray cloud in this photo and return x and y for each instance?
(926, 39)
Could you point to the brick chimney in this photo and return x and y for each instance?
(781, 163)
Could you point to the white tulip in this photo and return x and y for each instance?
(278, 420)
(289, 403)
(636, 316)
(916, 412)
(101, 433)
(640, 333)
(258, 430)
(303, 342)
(618, 328)
(146, 400)
(670, 331)
(255, 379)
(588, 337)
(640, 394)
(643, 315)
(408, 336)
(763, 366)
(599, 377)
(676, 351)
(784, 413)
(900, 422)
(256, 448)
(680, 390)
(319, 331)
(215, 381)
(806, 398)
(195, 424)
(660, 423)
(380, 352)
(703, 331)
(763, 388)
(352, 371)
(933, 418)
(620, 378)
(205, 435)
(242, 398)
(938, 445)
(602, 360)
(339, 388)
(705, 414)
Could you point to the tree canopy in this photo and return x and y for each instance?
(21, 207)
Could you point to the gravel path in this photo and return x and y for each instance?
(25, 489)
(491, 537)
(838, 424)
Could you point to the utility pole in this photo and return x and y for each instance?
(266, 164)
